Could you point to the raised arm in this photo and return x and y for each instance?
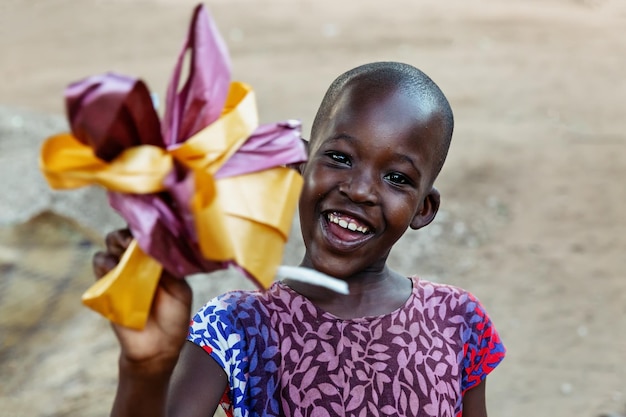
(160, 374)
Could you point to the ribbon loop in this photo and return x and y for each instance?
(211, 147)
(67, 163)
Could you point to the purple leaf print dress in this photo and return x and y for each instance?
(285, 357)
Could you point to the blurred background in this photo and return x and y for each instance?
(533, 217)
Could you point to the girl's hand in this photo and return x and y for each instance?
(155, 348)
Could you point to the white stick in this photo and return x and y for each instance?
(313, 277)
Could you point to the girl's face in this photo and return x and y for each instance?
(369, 177)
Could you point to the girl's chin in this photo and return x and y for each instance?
(336, 267)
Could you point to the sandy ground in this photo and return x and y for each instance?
(533, 215)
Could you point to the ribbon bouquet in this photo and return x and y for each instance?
(201, 190)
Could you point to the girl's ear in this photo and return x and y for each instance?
(428, 211)
(300, 166)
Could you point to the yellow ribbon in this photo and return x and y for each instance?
(124, 295)
(244, 218)
(67, 163)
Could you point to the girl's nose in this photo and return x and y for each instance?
(360, 189)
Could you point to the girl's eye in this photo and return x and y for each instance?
(339, 157)
(397, 179)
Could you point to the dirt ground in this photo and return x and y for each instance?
(533, 219)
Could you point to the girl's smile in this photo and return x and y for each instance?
(345, 232)
(346, 222)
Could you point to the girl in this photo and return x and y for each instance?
(394, 345)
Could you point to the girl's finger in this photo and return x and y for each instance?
(117, 241)
(176, 287)
(102, 263)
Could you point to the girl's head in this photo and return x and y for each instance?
(377, 144)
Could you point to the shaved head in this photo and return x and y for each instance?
(378, 79)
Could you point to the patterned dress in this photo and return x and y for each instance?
(285, 357)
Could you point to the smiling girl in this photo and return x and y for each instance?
(395, 345)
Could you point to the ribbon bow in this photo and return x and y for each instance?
(204, 189)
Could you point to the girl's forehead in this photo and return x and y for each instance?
(392, 104)
(390, 112)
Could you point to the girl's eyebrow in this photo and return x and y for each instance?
(343, 136)
(406, 158)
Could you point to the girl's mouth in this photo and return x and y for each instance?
(346, 222)
(345, 232)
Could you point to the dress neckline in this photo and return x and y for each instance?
(321, 313)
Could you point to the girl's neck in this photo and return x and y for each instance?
(370, 295)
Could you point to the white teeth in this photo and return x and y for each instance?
(333, 218)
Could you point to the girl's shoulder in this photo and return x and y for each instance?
(445, 297)
(428, 289)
